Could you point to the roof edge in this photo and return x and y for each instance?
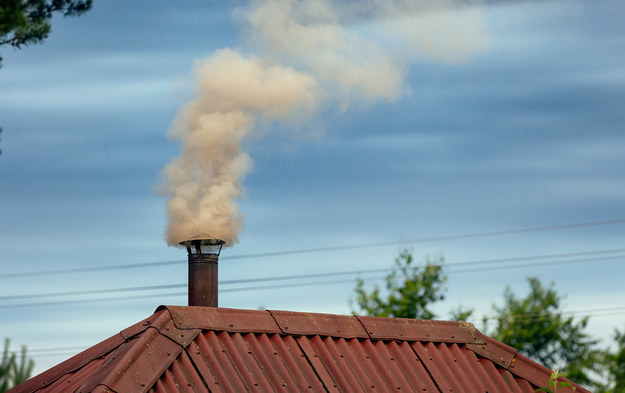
(153, 344)
(136, 364)
(160, 320)
(519, 365)
(538, 374)
(72, 364)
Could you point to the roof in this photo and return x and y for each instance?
(202, 349)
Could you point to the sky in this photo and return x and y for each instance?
(505, 116)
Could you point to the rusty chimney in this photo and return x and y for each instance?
(203, 252)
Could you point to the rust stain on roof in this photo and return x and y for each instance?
(205, 349)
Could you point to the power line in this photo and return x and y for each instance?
(589, 312)
(430, 239)
(91, 292)
(319, 249)
(476, 262)
(53, 354)
(49, 354)
(330, 274)
(97, 300)
(56, 349)
(90, 269)
(342, 281)
(280, 286)
(539, 264)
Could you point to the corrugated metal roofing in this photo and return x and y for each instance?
(202, 349)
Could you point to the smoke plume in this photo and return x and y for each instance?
(309, 56)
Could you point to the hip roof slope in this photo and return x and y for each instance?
(202, 349)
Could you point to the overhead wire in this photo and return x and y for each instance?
(543, 315)
(318, 249)
(90, 269)
(298, 284)
(329, 274)
(431, 239)
(56, 349)
(95, 300)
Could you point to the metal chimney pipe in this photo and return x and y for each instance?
(203, 251)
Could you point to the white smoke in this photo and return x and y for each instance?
(308, 56)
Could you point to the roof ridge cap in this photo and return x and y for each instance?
(222, 319)
(494, 350)
(277, 323)
(426, 330)
(125, 370)
(324, 324)
(363, 325)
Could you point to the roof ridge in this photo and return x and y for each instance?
(151, 347)
(335, 325)
(120, 347)
(495, 351)
(278, 324)
(148, 354)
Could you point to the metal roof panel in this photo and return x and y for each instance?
(72, 381)
(74, 365)
(181, 376)
(202, 349)
(136, 364)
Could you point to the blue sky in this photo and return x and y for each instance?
(525, 132)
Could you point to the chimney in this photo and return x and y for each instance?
(203, 252)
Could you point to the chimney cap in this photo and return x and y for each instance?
(203, 239)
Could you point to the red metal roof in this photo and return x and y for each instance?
(204, 349)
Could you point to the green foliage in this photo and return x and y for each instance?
(14, 371)
(460, 313)
(24, 22)
(5, 367)
(536, 326)
(615, 366)
(616, 363)
(409, 290)
(555, 383)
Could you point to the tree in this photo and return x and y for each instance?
(615, 366)
(536, 326)
(25, 22)
(616, 363)
(5, 367)
(409, 291)
(12, 371)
